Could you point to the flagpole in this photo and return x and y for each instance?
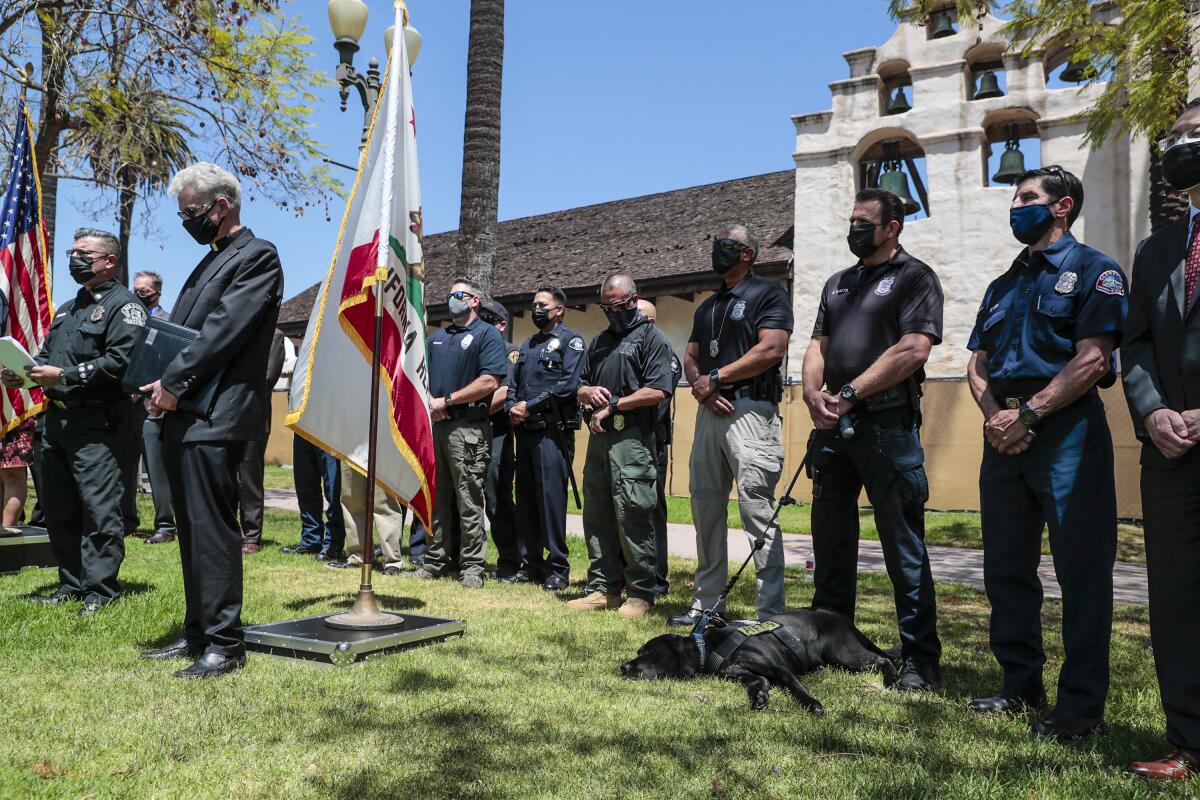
(366, 614)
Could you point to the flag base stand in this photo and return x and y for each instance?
(313, 639)
(365, 615)
(25, 546)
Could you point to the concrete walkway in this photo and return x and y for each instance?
(957, 564)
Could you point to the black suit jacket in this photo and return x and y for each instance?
(232, 298)
(1160, 354)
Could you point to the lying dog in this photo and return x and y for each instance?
(775, 652)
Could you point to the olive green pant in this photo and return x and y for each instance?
(462, 450)
(388, 528)
(619, 499)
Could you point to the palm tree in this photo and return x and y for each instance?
(136, 140)
(481, 144)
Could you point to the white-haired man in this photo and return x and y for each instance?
(232, 299)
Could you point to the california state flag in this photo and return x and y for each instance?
(378, 249)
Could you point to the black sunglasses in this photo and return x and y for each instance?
(193, 213)
(730, 244)
(459, 295)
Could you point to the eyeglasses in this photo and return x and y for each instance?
(459, 295)
(613, 306)
(84, 254)
(490, 320)
(1169, 141)
(192, 213)
(731, 244)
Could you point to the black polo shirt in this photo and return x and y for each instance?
(733, 317)
(624, 363)
(865, 310)
(457, 356)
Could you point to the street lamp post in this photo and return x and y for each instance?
(348, 20)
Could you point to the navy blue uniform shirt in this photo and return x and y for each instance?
(733, 317)
(1032, 316)
(457, 356)
(548, 365)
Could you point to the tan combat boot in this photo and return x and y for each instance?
(596, 601)
(634, 608)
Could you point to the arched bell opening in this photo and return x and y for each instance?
(1012, 145)
(1066, 69)
(895, 88)
(897, 165)
(984, 74)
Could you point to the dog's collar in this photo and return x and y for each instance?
(698, 629)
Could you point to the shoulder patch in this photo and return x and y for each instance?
(1111, 282)
(514, 356)
(134, 314)
(576, 344)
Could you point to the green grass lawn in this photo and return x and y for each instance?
(527, 704)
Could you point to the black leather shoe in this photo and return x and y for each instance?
(176, 649)
(211, 665)
(1010, 703)
(684, 620)
(555, 583)
(299, 550)
(92, 604)
(917, 677)
(392, 570)
(338, 556)
(1067, 728)
(62, 595)
(345, 564)
(162, 537)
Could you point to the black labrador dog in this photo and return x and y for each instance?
(811, 638)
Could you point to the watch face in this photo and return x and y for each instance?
(848, 392)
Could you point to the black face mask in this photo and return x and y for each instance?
(147, 299)
(1181, 165)
(862, 239)
(81, 269)
(724, 260)
(202, 229)
(622, 319)
(541, 316)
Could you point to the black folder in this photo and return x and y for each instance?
(155, 349)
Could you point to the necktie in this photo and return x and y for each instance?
(1192, 269)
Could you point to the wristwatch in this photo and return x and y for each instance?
(849, 394)
(1028, 416)
(447, 399)
(714, 375)
(612, 402)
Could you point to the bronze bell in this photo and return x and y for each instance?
(899, 103)
(941, 26)
(1076, 71)
(989, 86)
(896, 182)
(1012, 164)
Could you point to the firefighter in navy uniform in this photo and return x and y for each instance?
(544, 412)
(80, 366)
(1042, 342)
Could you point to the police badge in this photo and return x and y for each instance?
(885, 286)
(466, 341)
(553, 344)
(738, 311)
(618, 422)
(98, 314)
(1066, 282)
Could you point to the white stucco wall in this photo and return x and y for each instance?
(966, 237)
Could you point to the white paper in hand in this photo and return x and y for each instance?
(15, 357)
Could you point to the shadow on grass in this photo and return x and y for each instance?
(387, 602)
(128, 589)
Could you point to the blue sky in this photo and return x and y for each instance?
(601, 101)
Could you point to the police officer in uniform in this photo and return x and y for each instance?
(875, 327)
(80, 366)
(466, 363)
(498, 492)
(625, 375)
(543, 408)
(664, 429)
(739, 338)
(1042, 342)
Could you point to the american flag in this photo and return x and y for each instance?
(24, 267)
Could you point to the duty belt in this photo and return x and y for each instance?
(1013, 401)
(470, 413)
(738, 392)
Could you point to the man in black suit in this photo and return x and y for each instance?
(232, 298)
(1160, 358)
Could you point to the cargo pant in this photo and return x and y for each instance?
(389, 519)
(619, 499)
(746, 446)
(462, 450)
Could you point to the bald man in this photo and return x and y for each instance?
(663, 430)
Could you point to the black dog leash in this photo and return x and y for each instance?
(707, 616)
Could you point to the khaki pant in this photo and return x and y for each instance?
(462, 450)
(619, 502)
(389, 519)
(746, 446)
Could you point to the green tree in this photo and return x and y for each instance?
(479, 208)
(231, 76)
(1143, 62)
